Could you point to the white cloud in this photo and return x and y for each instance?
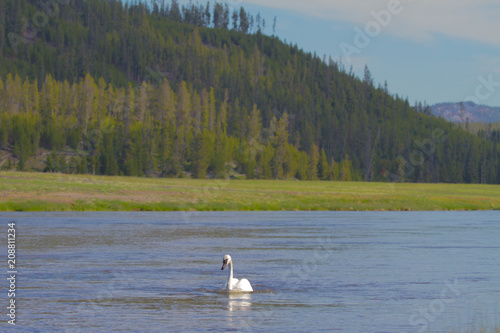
(475, 20)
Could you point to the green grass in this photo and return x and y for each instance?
(57, 192)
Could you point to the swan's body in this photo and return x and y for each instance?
(233, 284)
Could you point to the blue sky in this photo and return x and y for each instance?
(429, 51)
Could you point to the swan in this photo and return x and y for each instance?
(233, 284)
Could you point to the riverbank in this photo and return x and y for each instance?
(21, 191)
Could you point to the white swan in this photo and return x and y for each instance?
(233, 284)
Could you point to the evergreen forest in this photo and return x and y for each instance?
(206, 90)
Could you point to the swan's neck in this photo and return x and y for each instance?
(230, 274)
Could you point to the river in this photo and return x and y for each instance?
(310, 271)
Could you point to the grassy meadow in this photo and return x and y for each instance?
(21, 191)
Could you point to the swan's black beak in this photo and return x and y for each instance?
(224, 263)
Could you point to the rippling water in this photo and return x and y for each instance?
(311, 271)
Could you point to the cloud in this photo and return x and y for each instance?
(421, 20)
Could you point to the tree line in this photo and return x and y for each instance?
(92, 127)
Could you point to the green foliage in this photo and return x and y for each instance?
(177, 90)
(346, 170)
(200, 156)
(323, 167)
(49, 164)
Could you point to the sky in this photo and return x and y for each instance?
(429, 51)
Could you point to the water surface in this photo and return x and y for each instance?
(311, 271)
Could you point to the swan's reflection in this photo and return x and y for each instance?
(239, 302)
(239, 306)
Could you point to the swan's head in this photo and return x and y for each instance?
(226, 261)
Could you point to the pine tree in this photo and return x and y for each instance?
(4, 130)
(49, 167)
(323, 167)
(200, 158)
(314, 158)
(61, 164)
(346, 170)
(220, 157)
(235, 20)
(244, 22)
(222, 116)
(175, 12)
(281, 146)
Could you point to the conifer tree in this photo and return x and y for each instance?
(314, 158)
(323, 167)
(280, 146)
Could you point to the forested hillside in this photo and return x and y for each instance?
(97, 86)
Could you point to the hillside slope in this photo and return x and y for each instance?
(118, 89)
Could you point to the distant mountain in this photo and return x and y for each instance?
(471, 111)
